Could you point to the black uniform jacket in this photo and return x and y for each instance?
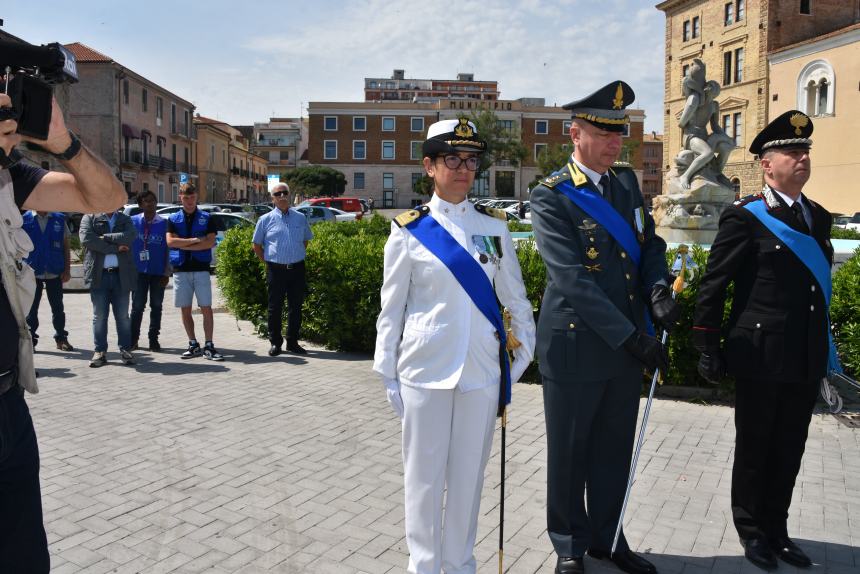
(777, 328)
(595, 296)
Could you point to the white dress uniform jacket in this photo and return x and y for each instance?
(429, 332)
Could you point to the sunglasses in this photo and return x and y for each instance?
(281, 194)
(454, 162)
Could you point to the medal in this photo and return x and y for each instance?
(592, 253)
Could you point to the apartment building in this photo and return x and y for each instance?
(377, 145)
(400, 88)
(733, 38)
(821, 78)
(279, 141)
(143, 131)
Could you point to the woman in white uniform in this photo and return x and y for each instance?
(438, 354)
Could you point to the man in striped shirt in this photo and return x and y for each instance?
(280, 239)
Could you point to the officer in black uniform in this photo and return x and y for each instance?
(775, 343)
(592, 335)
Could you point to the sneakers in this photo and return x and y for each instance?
(211, 353)
(126, 356)
(63, 345)
(99, 360)
(193, 350)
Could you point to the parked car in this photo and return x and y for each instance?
(515, 218)
(133, 208)
(841, 221)
(223, 223)
(348, 204)
(316, 213)
(341, 215)
(259, 209)
(854, 223)
(165, 211)
(514, 208)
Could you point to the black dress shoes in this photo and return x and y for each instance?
(758, 552)
(789, 552)
(626, 560)
(569, 565)
(294, 347)
(274, 350)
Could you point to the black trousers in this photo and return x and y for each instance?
(23, 543)
(54, 289)
(290, 283)
(771, 425)
(590, 427)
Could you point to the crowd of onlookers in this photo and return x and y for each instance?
(130, 260)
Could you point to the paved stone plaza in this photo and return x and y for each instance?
(292, 464)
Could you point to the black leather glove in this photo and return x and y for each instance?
(648, 351)
(712, 366)
(664, 309)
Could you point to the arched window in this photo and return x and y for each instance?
(815, 89)
(736, 186)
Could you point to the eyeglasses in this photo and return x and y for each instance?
(453, 161)
(280, 193)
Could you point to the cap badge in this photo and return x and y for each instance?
(798, 121)
(618, 102)
(463, 129)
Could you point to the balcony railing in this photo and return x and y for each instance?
(180, 129)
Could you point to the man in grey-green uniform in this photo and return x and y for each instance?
(606, 272)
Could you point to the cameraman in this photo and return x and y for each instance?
(89, 186)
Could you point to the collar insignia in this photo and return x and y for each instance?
(769, 197)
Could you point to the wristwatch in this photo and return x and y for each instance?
(71, 151)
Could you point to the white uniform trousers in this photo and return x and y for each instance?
(447, 435)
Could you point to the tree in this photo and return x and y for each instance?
(551, 159)
(315, 180)
(503, 144)
(424, 185)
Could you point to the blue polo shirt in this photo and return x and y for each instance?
(283, 236)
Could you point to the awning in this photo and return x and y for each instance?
(130, 132)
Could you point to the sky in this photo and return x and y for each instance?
(244, 62)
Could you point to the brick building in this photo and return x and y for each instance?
(377, 145)
(400, 88)
(142, 131)
(733, 38)
(652, 172)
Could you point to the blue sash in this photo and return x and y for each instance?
(474, 281)
(602, 211)
(809, 252)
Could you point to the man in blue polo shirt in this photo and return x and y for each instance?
(153, 273)
(280, 239)
(51, 264)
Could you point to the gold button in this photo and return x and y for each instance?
(758, 325)
(627, 275)
(591, 239)
(631, 297)
(623, 255)
(812, 307)
(812, 287)
(571, 326)
(778, 246)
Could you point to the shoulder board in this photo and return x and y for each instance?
(408, 217)
(555, 178)
(747, 199)
(492, 212)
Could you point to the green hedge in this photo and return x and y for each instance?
(344, 271)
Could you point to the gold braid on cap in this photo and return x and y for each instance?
(593, 118)
(466, 142)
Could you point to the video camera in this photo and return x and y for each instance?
(30, 74)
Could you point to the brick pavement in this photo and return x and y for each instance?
(292, 464)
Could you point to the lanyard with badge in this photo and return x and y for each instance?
(144, 253)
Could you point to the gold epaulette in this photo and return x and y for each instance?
(492, 212)
(554, 179)
(408, 217)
